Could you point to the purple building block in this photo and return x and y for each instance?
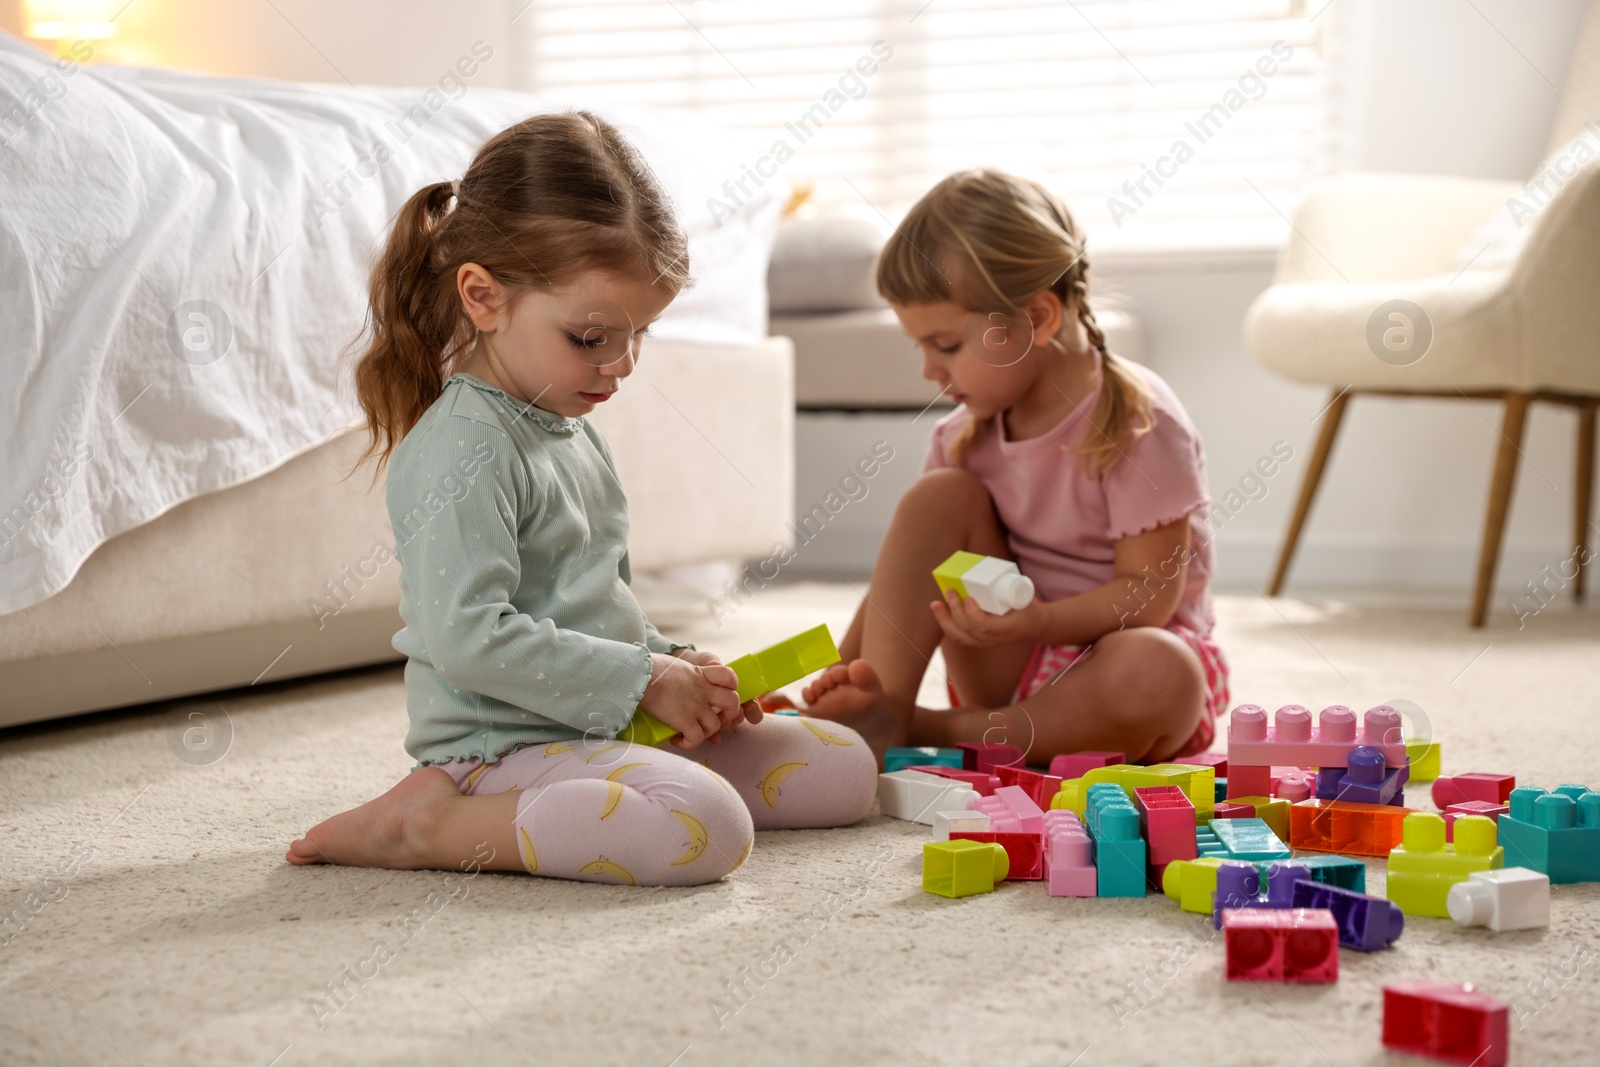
(1369, 780)
(1365, 923)
(1239, 886)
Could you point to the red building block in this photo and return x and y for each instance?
(1491, 788)
(1471, 807)
(1353, 829)
(1249, 782)
(1225, 810)
(1041, 787)
(1025, 851)
(984, 784)
(1281, 945)
(1075, 764)
(976, 756)
(1446, 1022)
(1166, 818)
(1217, 761)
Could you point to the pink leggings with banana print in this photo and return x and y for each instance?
(617, 812)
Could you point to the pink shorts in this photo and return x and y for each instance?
(1048, 662)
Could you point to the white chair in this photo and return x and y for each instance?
(1525, 330)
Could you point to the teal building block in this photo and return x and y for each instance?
(898, 759)
(1220, 788)
(1555, 833)
(1207, 844)
(1345, 872)
(1119, 850)
(785, 662)
(1249, 839)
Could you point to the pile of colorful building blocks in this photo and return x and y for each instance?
(1264, 840)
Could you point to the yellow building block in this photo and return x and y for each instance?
(1272, 811)
(1423, 868)
(1197, 782)
(962, 868)
(1426, 759)
(645, 729)
(1192, 883)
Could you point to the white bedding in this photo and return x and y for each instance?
(127, 194)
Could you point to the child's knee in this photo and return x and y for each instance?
(720, 830)
(857, 788)
(1157, 679)
(946, 489)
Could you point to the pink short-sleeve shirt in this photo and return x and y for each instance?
(1063, 522)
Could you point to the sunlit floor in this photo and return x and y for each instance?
(152, 919)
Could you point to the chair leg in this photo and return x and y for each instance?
(1584, 476)
(1308, 486)
(1505, 478)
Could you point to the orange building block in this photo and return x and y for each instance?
(1339, 826)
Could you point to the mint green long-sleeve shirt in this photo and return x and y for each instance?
(512, 533)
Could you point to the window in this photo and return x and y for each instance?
(1166, 124)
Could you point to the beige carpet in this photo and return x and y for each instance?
(153, 920)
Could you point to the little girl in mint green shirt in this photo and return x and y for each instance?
(506, 305)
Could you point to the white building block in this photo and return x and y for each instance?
(1513, 898)
(998, 586)
(917, 796)
(966, 822)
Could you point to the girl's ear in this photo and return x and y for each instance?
(1046, 313)
(481, 295)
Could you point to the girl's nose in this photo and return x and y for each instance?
(621, 368)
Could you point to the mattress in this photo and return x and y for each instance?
(292, 573)
(183, 258)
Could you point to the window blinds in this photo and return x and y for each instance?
(1166, 124)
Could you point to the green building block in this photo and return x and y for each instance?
(1425, 757)
(784, 663)
(645, 729)
(898, 759)
(1555, 832)
(947, 575)
(759, 673)
(1423, 868)
(1273, 811)
(1192, 883)
(1250, 840)
(963, 868)
(1344, 872)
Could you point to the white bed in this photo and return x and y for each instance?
(173, 507)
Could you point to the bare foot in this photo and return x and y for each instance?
(852, 695)
(380, 833)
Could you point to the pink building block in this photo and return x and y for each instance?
(1281, 944)
(1293, 741)
(1293, 784)
(1024, 812)
(984, 758)
(1225, 810)
(1471, 807)
(984, 784)
(1166, 818)
(1491, 788)
(1069, 858)
(1217, 761)
(1001, 817)
(1041, 787)
(1076, 764)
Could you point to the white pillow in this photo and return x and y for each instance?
(1496, 244)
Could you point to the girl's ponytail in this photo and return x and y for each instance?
(416, 325)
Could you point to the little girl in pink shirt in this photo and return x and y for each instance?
(1080, 466)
